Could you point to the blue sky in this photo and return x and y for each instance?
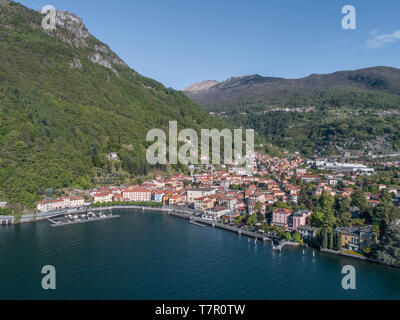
(180, 42)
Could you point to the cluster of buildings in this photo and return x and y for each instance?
(60, 204)
(226, 193)
(295, 109)
(116, 194)
(357, 168)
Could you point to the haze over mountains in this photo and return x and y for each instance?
(66, 100)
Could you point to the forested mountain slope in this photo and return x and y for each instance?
(66, 100)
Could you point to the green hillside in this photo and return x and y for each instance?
(326, 114)
(66, 100)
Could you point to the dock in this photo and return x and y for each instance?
(71, 222)
(285, 243)
(241, 232)
(279, 246)
(197, 224)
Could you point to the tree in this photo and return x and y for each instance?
(303, 196)
(281, 232)
(317, 219)
(331, 243)
(297, 237)
(252, 220)
(388, 249)
(359, 199)
(338, 241)
(390, 214)
(258, 207)
(117, 166)
(386, 197)
(329, 218)
(384, 215)
(326, 201)
(324, 238)
(288, 236)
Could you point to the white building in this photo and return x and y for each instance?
(215, 214)
(345, 167)
(103, 197)
(137, 194)
(59, 204)
(193, 194)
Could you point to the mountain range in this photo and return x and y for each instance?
(327, 114)
(256, 90)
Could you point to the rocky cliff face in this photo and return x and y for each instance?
(71, 29)
(205, 85)
(72, 23)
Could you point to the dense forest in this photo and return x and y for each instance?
(327, 131)
(66, 101)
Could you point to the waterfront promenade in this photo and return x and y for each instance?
(182, 214)
(190, 215)
(186, 213)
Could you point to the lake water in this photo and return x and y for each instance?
(154, 256)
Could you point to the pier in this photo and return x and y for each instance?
(197, 224)
(284, 243)
(280, 246)
(83, 218)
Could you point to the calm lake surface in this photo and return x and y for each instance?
(154, 256)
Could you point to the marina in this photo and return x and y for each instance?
(70, 219)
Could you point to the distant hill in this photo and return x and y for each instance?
(198, 87)
(255, 90)
(66, 100)
(321, 114)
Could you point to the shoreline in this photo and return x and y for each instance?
(363, 258)
(179, 213)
